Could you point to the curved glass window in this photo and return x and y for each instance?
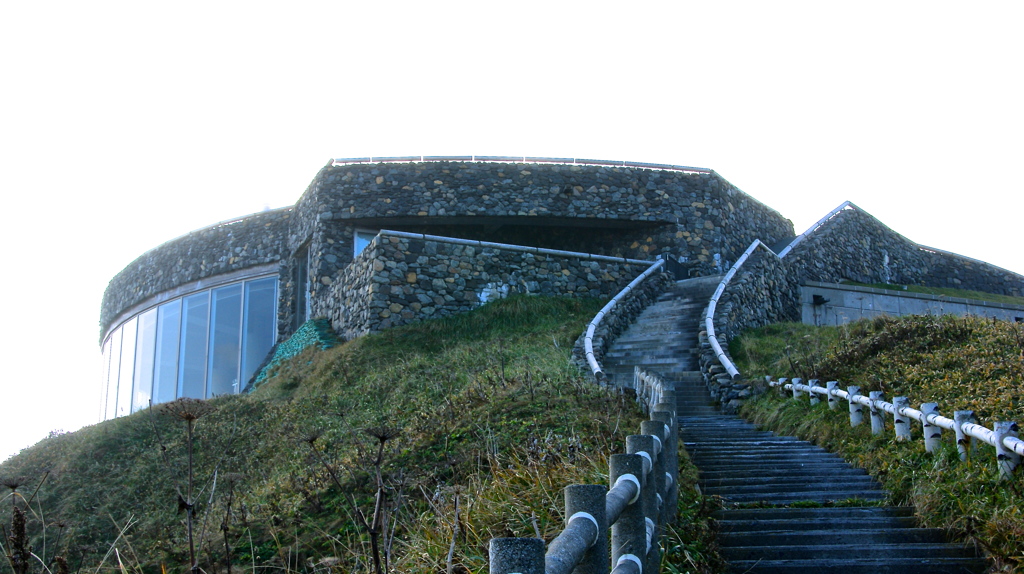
(204, 344)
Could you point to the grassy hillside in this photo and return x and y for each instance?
(477, 421)
(959, 363)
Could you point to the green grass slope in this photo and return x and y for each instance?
(489, 412)
(959, 363)
(483, 418)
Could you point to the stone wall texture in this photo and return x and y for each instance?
(695, 215)
(855, 246)
(231, 246)
(398, 280)
(763, 291)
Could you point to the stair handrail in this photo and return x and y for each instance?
(799, 238)
(588, 339)
(1003, 436)
(709, 316)
(640, 500)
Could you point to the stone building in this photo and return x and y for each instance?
(378, 242)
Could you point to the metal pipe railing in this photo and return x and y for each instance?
(588, 338)
(517, 159)
(620, 525)
(510, 247)
(709, 316)
(1004, 435)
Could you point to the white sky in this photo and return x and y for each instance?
(123, 125)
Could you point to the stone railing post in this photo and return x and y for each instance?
(516, 556)
(877, 421)
(796, 393)
(932, 433)
(856, 409)
(1008, 460)
(658, 430)
(900, 420)
(964, 445)
(833, 401)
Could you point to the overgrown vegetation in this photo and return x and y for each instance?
(404, 451)
(960, 363)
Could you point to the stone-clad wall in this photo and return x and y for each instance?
(951, 270)
(763, 292)
(855, 246)
(697, 214)
(397, 280)
(254, 240)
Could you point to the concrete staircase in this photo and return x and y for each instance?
(664, 337)
(749, 467)
(768, 483)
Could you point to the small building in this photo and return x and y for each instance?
(379, 242)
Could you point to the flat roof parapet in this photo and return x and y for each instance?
(517, 159)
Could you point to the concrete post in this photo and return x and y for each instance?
(658, 430)
(900, 421)
(782, 385)
(877, 422)
(833, 401)
(636, 444)
(932, 433)
(671, 455)
(963, 445)
(814, 396)
(586, 544)
(516, 556)
(856, 409)
(629, 532)
(1007, 459)
(797, 394)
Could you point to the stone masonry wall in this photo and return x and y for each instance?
(855, 246)
(618, 320)
(696, 214)
(764, 291)
(397, 280)
(254, 240)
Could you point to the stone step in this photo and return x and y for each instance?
(838, 550)
(855, 565)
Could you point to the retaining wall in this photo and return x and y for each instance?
(763, 292)
(855, 246)
(398, 280)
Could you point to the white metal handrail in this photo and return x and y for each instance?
(815, 227)
(517, 159)
(1004, 437)
(709, 317)
(588, 339)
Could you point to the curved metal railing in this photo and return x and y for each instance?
(588, 339)
(709, 316)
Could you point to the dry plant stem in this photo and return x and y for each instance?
(189, 506)
(455, 535)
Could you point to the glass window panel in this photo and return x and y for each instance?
(145, 348)
(192, 358)
(115, 362)
(225, 341)
(362, 239)
(104, 378)
(260, 329)
(124, 379)
(165, 369)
